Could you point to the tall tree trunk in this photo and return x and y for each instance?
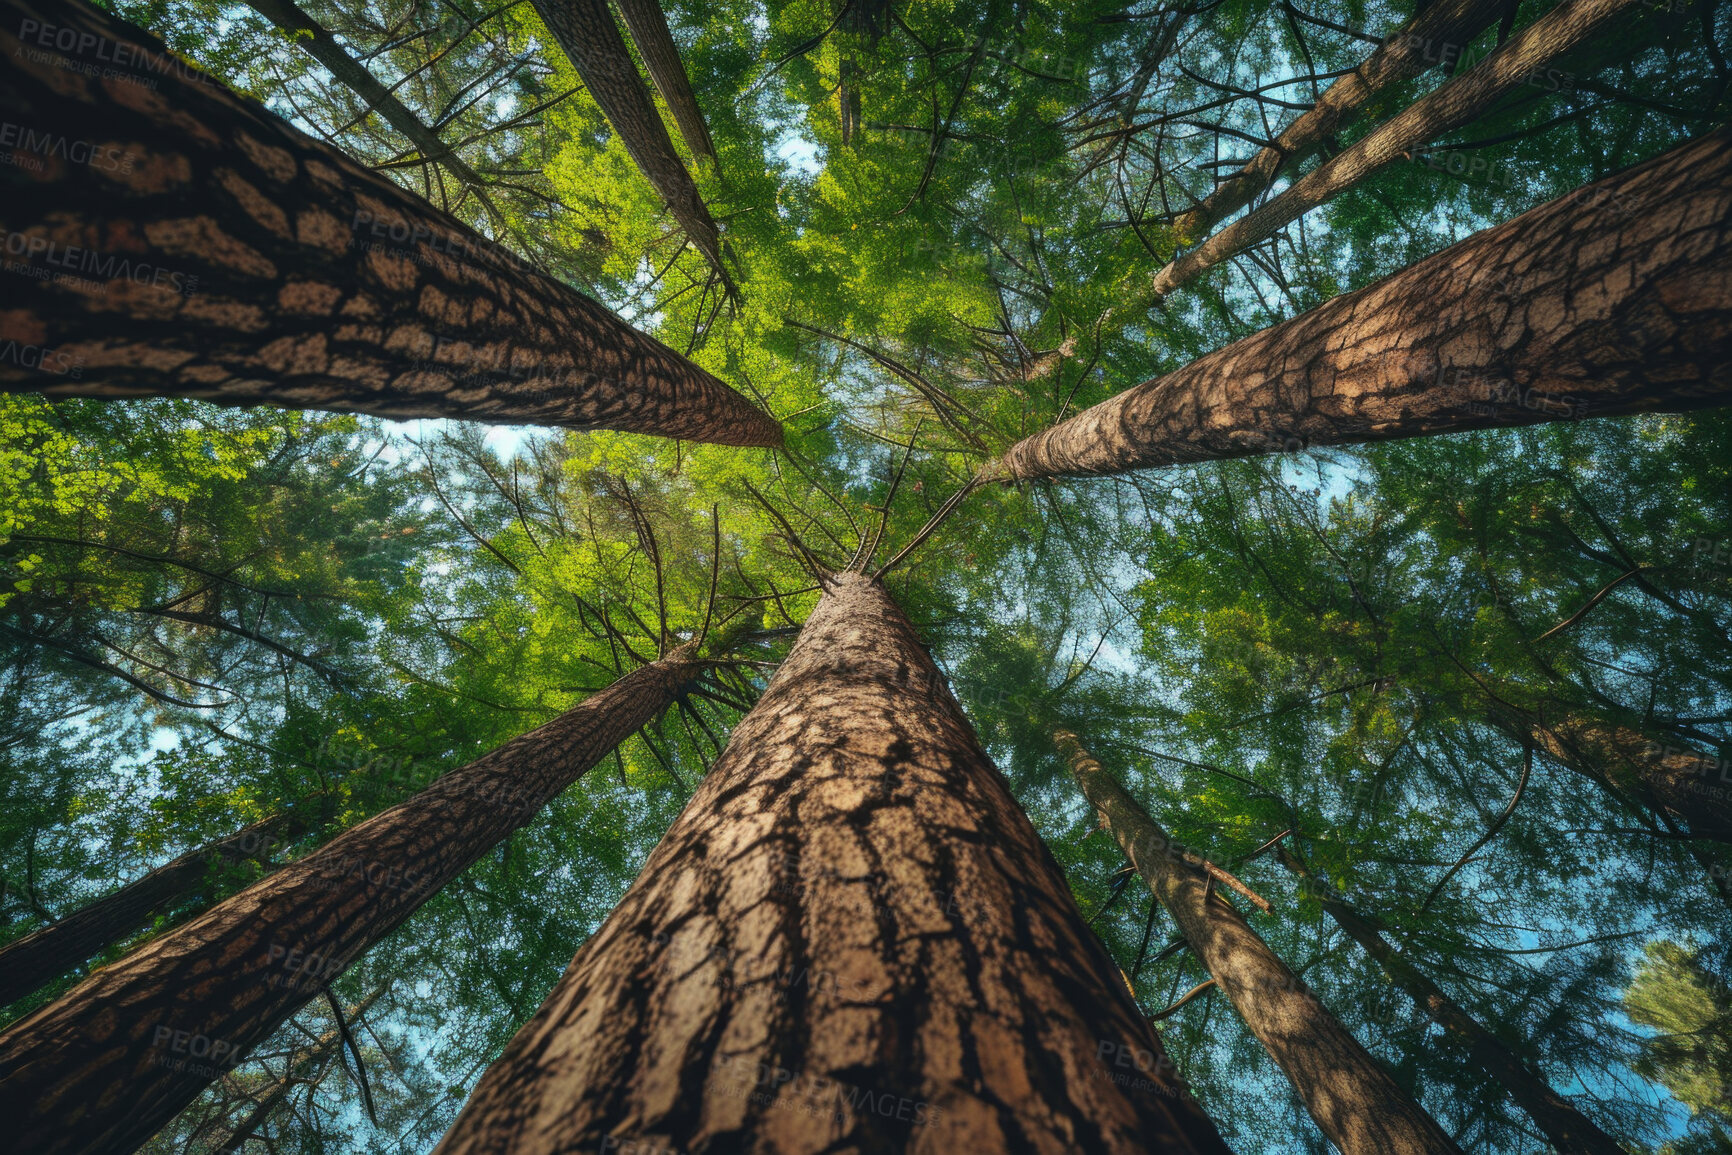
(1581, 306)
(649, 31)
(1409, 51)
(54, 950)
(115, 1058)
(165, 236)
(586, 31)
(318, 43)
(1691, 788)
(851, 939)
(1522, 60)
(1357, 1105)
(1564, 1127)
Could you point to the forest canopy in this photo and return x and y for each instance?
(1201, 521)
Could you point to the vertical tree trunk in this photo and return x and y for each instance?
(649, 31)
(1609, 300)
(165, 236)
(1410, 50)
(586, 31)
(54, 950)
(1691, 788)
(318, 42)
(1566, 1128)
(1524, 59)
(1358, 1106)
(851, 939)
(115, 1058)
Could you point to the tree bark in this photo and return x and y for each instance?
(851, 939)
(165, 236)
(115, 1058)
(586, 31)
(1581, 306)
(1564, 1127)
(53, 950)
(1357, 1105)
(1692, 788)
(1409, 51)
(318, 43)
(1523, 59)
(655, 44)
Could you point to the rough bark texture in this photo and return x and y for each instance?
(1464, 99)
(1692, 788)
(59, 947)
(114, 1059)
(318, 43)
(1565, 1127)
(1353, 1099)
(1409, 51)
(649, 31)
(852, 939)
(1614, 299)
(586, 31)
(164, 236)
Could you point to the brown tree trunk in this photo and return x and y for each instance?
(318, 43)
(115, 1058)
(164, 236)
(1418, 44)
(1609, 300)
(54, 950)
(851, 939)
(649, 31)
(1357, 1105)
(1522, 60)
(1564, 1127)
(1692, 788)
(586, 31)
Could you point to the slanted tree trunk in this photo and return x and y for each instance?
(649, 31)
(851, 939)
(1691, 788)
(1356, 1104)
(1609, 300)
(318, 43)
(203, 247)
(54, 950)
(1522, 60)
(586, 31)
(1409, 51)
(116, 1057)
(1566, 1128)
